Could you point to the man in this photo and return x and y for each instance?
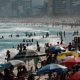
(69, 47)
(8, 55)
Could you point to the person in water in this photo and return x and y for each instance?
(8, 55)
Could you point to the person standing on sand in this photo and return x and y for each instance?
(69, 47)
(38, 48)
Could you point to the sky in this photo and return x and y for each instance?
(37, 2)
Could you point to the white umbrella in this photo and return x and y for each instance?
(9, 63)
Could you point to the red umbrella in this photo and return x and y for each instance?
(71, 61)
(47, 52)
(75, 76)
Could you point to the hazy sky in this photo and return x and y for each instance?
(37, 2)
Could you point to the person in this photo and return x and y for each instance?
(79, 47)
(18, 47)
(2, 37)
(37, 43)
(31, 78)
(61, 42)
(24, 71)
(8, 55)
(11, 71)
(27, 44)
(19, 76)
(43, 36)
(64, 33)
(23, 40)
(69, 47)
(58, 43)
(11, 35)
(50, 74)
(35, 63)
(6, 75)
(32, 39)
(38, 48)
(49, 58)
(24, 47)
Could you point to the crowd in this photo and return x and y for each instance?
(22, 72)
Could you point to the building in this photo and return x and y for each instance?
(65, 6)
(27, 5)
(49, 7)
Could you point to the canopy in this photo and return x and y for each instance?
(75, 76)
(71, 61)
(28, 54)
(58, 48)
(53, 67)
(67, 53)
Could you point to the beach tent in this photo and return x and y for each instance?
(71, 61)
(9, 63)
(58, 48)
(53, 68)
(27, 55)
(75, 76)
(67, 53)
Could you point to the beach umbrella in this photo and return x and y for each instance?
(66, 58)
(71, 61)
(56, 48)
(61, 45)
(27, 54)
(9, 63)
(2, 61)
(75, 76)
(75, 51)
(53, 68)
(67, 53)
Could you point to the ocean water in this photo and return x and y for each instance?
(8, 43)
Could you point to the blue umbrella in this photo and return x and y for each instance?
(53, 67)
(58, 48)
(66, 58)
(74, 50)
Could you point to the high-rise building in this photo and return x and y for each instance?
(49, 7)
(27, 5)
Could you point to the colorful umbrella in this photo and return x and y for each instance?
(27, 54)
(75, 51)
(75, 76)
(53, 68)
(67, 53)
(66, 58)
(9, 63)
(58, 48)
(61, 45)
(71, 61)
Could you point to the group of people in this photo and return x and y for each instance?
(22, 73)
(29, 35)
